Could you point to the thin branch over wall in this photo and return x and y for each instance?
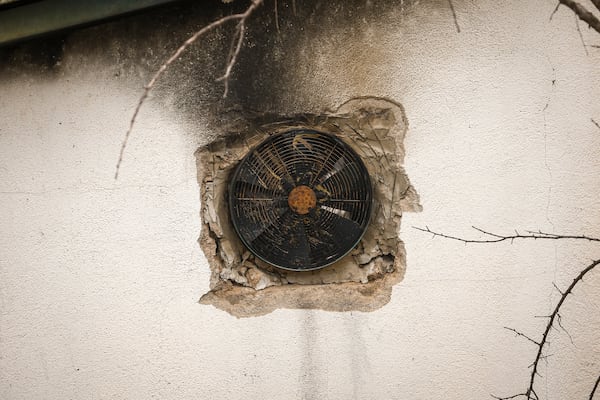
(495, 238)
(581, 36)
(522, 335)
(454, 15)
(242, 18)
(583, 13)
(593, 392)
(555, 316)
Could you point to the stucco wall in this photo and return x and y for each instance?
(99, 280)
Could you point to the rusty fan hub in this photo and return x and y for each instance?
(302, 200)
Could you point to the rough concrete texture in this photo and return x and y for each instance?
(375, 129)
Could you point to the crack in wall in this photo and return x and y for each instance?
(244, 285)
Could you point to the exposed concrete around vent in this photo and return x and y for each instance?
(362, 280)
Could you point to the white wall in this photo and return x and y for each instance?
(99, 280)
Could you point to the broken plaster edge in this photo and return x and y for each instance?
(246, 302)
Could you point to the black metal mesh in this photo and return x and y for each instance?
(271, 229)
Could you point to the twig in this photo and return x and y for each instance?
(530, 393)
(241, 17)
(500, 238)
(523, 335)
(581, 36)
(510, 397)
(544, 357)
(583, 14)
(515, 396)
(241, 30)
(594, 122)
(578, 279)
(595, 388)
(559, 320)
(555, 10)
(454, 15)
(557, 289)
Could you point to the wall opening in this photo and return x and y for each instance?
(245, 285)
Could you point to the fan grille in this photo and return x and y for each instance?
(300, 200)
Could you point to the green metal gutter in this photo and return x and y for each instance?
(21, 20)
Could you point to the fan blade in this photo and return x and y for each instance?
(255, 175)
(250, 191)
(255, 229)
(337, 167)
(346, 229)
(299, 247)
(337, 211)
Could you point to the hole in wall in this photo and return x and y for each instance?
(245, 281)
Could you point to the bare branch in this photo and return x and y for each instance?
(556, 287)
(454, 15)
(539, 232)
(510, 397)
(594, 122)
(495, 238)
(553, 316)
(559, 320)
(594, 388)
(581, 36)
(596, 3)
(242, 17)
(241, 30)
(555, 10)
(523, 335)
(544, 357)
(534, 394)
(530, 394)
(583, 14)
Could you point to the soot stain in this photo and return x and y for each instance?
(42, 54)
(275, 62)
(277, 66)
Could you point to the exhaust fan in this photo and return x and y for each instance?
(301, 199)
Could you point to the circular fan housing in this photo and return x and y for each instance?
(301, 199)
